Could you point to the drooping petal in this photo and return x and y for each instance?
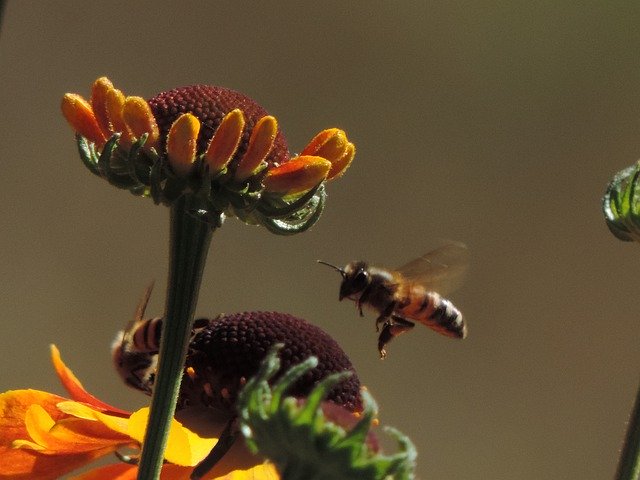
(80, 116)
(182, 143)
(139, 118)
(225, 141)
(298, 175)
(72, 385)
(260, 144)
(99, 92)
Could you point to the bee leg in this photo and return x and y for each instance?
(392, 329)
(225, 442)
(386, 315)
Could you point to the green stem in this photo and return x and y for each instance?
(629, 466)
(189, 244)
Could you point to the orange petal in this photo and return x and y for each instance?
(139, 118)
(333, 145)
(225, 141)
(297, 175)
(260, 144)
(14, 405)
(72, 385)
(99, 103)
(21, 464)
(69, 435)
(80, 116)
(320, 139)
(117, 471)
(115, 111)
(182, 143)
(340, 165)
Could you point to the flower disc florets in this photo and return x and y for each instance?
(230, 348)
(212, 143)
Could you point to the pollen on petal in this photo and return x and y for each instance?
(182, 143)
(297, 176)
(99, 92)
(80, 116)
(139, 118)
(260, 144)
(333, 145)
(225, 141)
(340, 165)
(115, 111)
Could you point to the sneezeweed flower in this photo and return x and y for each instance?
(226, 351)
(212, 143)
(621, 204)
(44, 436)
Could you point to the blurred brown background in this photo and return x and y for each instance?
(498, 124)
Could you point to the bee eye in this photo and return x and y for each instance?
(361, 279)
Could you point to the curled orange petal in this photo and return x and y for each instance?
(80, 116)
(333, 145)
(225, 141)
(260, 144)
(340, 165)
(99, 92)
(72, 385)
(139, 118)
(182, 143)
(297, 175)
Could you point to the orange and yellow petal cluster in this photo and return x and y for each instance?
(242, 142)
(44, 436)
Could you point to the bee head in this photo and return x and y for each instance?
(136, 368)
(355, 279)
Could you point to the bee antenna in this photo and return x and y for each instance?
(342, 272)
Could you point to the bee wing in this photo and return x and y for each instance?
(441, 270)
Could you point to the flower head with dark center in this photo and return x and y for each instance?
(212, 143)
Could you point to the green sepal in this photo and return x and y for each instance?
(87, 154)
(620, 204)
(298, 222)
(301, 442)
(275, 207)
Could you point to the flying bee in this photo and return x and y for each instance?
(411, 293)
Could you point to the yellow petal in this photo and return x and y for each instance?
(184, 447)
(38, 423)
(80, 116)
(115, 111)
(260, 144)
(114, 423)
(225, 141)
(139, 118)
(99, 103)
(182, 143)
(297, 175)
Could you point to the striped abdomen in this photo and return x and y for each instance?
(145, 337)
(430, 309)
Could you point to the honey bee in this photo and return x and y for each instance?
(411, 293)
